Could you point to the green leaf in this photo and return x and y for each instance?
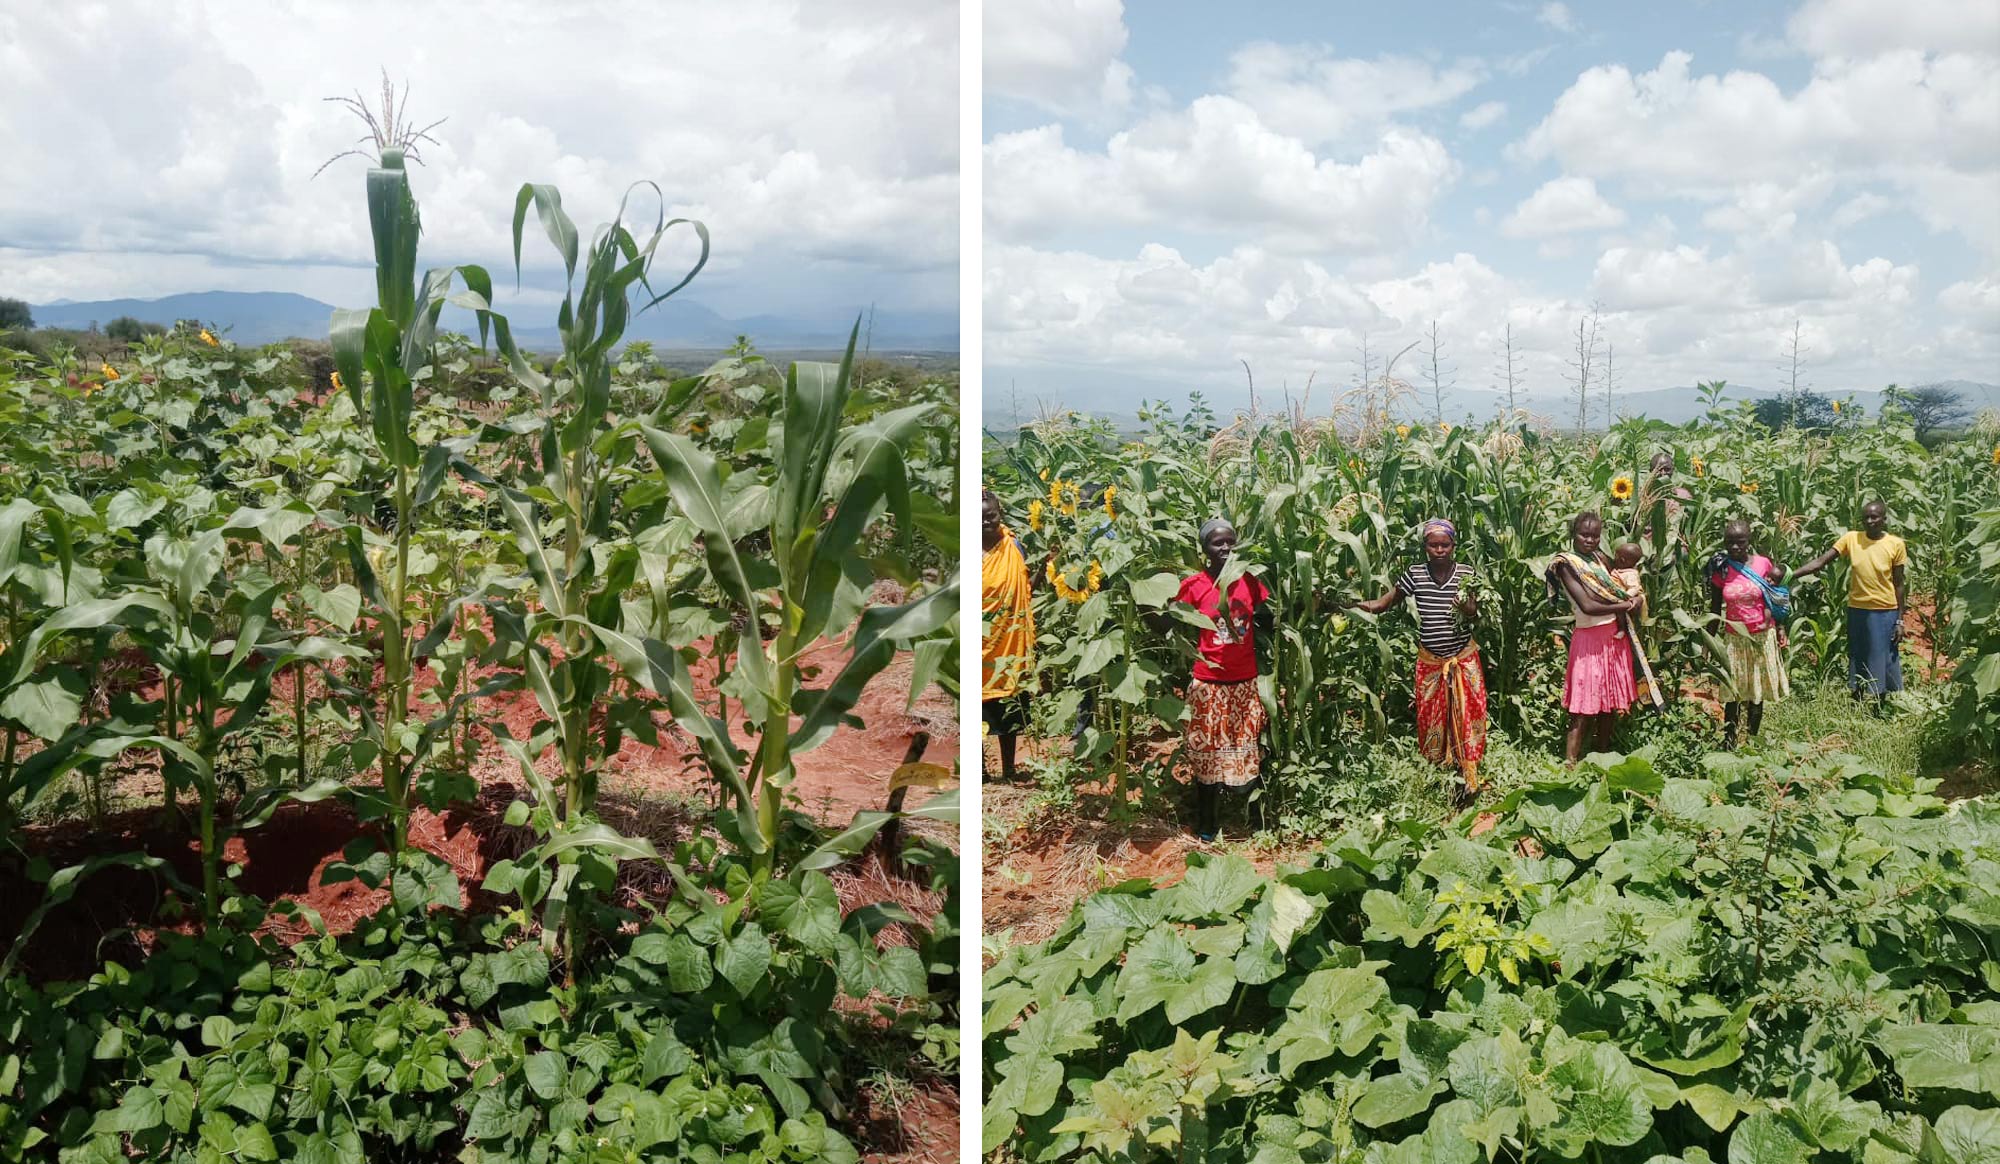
(424, 881)
(45, 706)
(1214, 888)
(689, 968)
(1156, 590)
(1968, 1135)
(1394, 1098)
(744, 959)
(339, 605)
(1766, 1138)
(808, 912)
(545, 1071)
(138, 1111)
(253, 1142)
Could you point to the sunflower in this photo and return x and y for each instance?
(1110, 495)
(337, 385)
(1836, 408)
(1444, 426)
(1403, 432)
(1699, 465)
(206, 338)
(1045, 474)
(1996, 454)
(1066, 496)
(1035, 515)
(110, 373)
(1747, 487)
(1093, 578)
(1621, 488)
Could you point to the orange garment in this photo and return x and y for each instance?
(1007, 638)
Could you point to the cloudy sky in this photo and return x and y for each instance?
(158, 146)
(1169, 190)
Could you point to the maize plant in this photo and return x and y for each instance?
(381, 353)
(1327, 517)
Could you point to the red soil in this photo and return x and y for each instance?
(653, 791)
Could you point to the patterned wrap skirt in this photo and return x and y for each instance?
(1451, 710)
(1756, 668)
(1599, 679)
(1224, 723)
(1873, 663)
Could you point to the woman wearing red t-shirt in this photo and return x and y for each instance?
(1225, 715)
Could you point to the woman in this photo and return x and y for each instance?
(1451, 685)
(1007, 633)
(1750, 634)
(1877, 593)
(1225, 715)
(1597, 687)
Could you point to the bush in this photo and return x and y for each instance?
(1777, 960)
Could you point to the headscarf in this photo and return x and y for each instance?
(1210, 526)
(1438, 525)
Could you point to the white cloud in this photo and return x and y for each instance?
(1216, 167)
(1930, 126)
(1864, 205)
(1557, 16)
(1678, 314)
(1869, 27)
(1977, 302)
(1484, 114)
(1562, 206)
(199, 136)
(1311, 93)
(1059, 55)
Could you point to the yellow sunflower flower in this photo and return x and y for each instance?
(1698, 466)
(1066, 496)
(1747, 487)
(337, 385)
(208, 339)
(1110, 495)
(1403, 432)
(1836, 408)
(1035, 515)
(110, 373)
(1621, 488)
(1444, 426)
(1093, 578)
(1996, 454)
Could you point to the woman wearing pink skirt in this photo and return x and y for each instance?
(1598, 686)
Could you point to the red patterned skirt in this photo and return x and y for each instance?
(1451, 710)
(1224, 723)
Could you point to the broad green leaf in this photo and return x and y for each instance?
(743, 959)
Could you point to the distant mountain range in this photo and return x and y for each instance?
(1671, 405)
(260, 317)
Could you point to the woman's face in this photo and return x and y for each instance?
(1736, 543)
(989, 513)
(1663, 467)
(1220, 543)
(1438, 546)
(1585, 536)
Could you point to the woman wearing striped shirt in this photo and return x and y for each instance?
(1451, 685)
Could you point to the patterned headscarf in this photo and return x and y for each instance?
(1210, 526)
(1438, 525)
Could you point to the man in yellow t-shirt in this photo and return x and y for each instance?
(1877, 592)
